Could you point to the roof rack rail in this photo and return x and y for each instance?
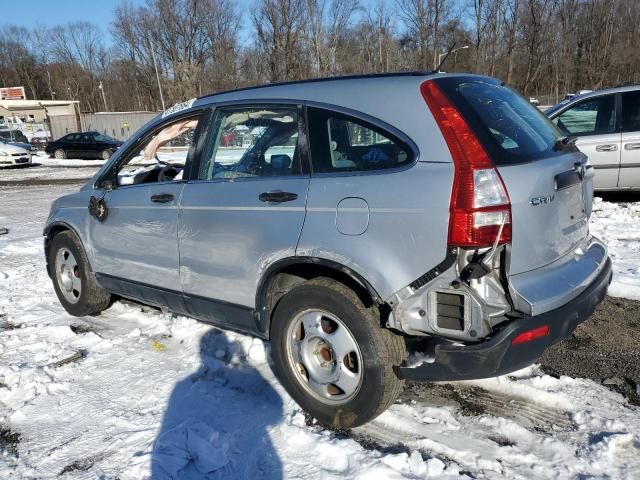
(412, 73)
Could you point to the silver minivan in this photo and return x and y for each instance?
(606, 127)
(376, 229)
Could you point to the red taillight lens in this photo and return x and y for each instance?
(531, 335)
(479, 200)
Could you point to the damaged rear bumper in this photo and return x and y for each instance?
(497, 355)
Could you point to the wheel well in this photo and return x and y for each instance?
(49, 234)
(281, 281)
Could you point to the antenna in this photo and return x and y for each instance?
(451, 50)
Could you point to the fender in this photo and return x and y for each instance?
(60, 226)
(263, 313)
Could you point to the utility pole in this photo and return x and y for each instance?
(104, 98)
(155, 65)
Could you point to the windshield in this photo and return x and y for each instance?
(509, 127)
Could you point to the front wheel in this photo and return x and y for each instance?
(60, 154)
(105, 154)
(332, 355)
(77, 290)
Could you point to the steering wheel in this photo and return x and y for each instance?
(169, 172)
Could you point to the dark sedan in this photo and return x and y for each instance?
(83, 145)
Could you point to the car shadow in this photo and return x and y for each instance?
(618, 196)
(217, 421)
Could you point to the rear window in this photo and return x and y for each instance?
(509, 127)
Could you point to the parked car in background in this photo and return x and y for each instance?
(13, 136)
(606, 127)
(364, 216)
(11, 155)
(40, 138)
(26, 145)
(83, 145)
(534, 101)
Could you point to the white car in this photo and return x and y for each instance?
(12, 155)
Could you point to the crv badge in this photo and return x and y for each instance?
(535, 201)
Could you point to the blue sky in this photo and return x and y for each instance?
(48, 13)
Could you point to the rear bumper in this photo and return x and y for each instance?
(497, 355)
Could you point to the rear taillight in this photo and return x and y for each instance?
(480, 204)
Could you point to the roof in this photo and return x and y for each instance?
(415, 73)
(27, 104)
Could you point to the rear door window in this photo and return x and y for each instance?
(593, 116)
(508, 126)
(341, 143)
(631, 111)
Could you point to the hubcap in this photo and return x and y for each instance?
(68, 275)
(324, 356)
(59, 154)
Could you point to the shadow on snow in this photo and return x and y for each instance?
(217, 420)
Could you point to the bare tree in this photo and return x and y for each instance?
(279, 28)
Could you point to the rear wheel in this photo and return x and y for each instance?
(77, 290)
(332, 355)
(60, 154)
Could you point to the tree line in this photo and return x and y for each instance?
(540, 47)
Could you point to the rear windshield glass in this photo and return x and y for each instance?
(509, 127)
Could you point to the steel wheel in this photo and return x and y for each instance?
(324, 356)
(59, 154)
(68, 275)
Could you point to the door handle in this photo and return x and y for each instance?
(162, 197)
(632, 146)
(277, 196)
(606, 148)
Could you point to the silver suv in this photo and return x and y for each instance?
(374, 228)
(606, 127)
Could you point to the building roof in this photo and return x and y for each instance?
(35, 104)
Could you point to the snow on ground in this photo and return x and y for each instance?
(618, 225)
(135, 393)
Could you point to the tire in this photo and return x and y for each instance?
(105, 154)
(75, 286)
(59, 153)
(333, 307)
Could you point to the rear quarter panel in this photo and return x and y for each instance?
(406, 234)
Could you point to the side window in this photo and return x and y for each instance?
(72, 137)
(252, 142)
(340, 143)
(590, 117)
(162, 155)
(631, 111)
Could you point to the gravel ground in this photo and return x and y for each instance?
(606, 348)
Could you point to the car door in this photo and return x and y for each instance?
(593, 122)
(70, 144)
(85, 147)
(136, 246)
(243, 209)
(630, 152)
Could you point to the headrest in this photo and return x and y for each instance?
(280, 162)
